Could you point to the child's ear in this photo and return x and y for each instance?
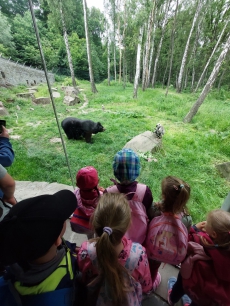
(58, 241)
(213, 235)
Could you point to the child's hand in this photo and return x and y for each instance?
(201, 226)
(77, 249)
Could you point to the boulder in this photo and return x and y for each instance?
(3, 110)
(32, 88)
(71, 100)
(70, 90)
(25, 95)
(41, 100)
(56, 94)
(145, 142)
(224, 170)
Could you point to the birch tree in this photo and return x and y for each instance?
(182, 67)
(138, 60)
(213, 52)
(93, 86)
(160, 43)
(147, 47)
(67, 47)
(172, 47)
(59, 15)
(209, 83)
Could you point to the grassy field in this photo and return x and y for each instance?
(190, 151)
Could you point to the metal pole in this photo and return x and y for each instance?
(49, 87)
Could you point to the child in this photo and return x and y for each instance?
(111, 258)
(31, 239)
(205, 274)
(126, 167)
(87, 196)
(175, 194)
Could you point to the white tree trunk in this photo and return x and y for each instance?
(108, 60)
(213, 51)
(160, 44)
(93, 86)
(209, 83)
(67, 48)
(137, 75)
(172, 47)
(182, 67)
(149, 39)
(148, 45)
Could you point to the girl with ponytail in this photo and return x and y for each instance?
(115, 267)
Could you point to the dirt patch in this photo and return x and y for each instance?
(55, 140)
(34, 124)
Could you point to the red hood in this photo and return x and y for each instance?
(221, 262)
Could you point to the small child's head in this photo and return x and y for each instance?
(34, 225)
(126, 166)
(112, 211)
(87, 180)
(218, 226)
(110, 221)
(175, 194)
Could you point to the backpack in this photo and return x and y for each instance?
(99, 287)
(167, 239)
(80, 219)
(138, 228)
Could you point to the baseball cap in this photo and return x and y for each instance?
(33, 225)
(87, 178)
(126, 165)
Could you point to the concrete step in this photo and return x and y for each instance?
(27, 189)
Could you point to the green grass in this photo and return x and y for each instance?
(190, 151)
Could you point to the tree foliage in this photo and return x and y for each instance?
(116, 31)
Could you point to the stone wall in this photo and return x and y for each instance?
(12, 73)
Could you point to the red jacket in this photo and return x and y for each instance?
(206, 272)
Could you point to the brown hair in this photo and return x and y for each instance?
(175, 193)
(219, 221)
(112, 211)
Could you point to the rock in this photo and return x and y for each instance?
(9, 100)
(224, 170)
(54, 89)
(145, 142)
(25, 95)
(70, 90)
(32, 88)
(71, 100)
(18, 107)
(15, 137)
(56, 94)
(41, 100)
(3, 110)
(32, 91)
(226, 204)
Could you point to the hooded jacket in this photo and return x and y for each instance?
(206, 272)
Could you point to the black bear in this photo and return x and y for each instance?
(76, 128)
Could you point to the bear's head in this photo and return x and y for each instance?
(100, 128)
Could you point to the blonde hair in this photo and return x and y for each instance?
(219, 221)
(175, 193)
(112, 211)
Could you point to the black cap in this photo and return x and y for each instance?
(33, 225)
